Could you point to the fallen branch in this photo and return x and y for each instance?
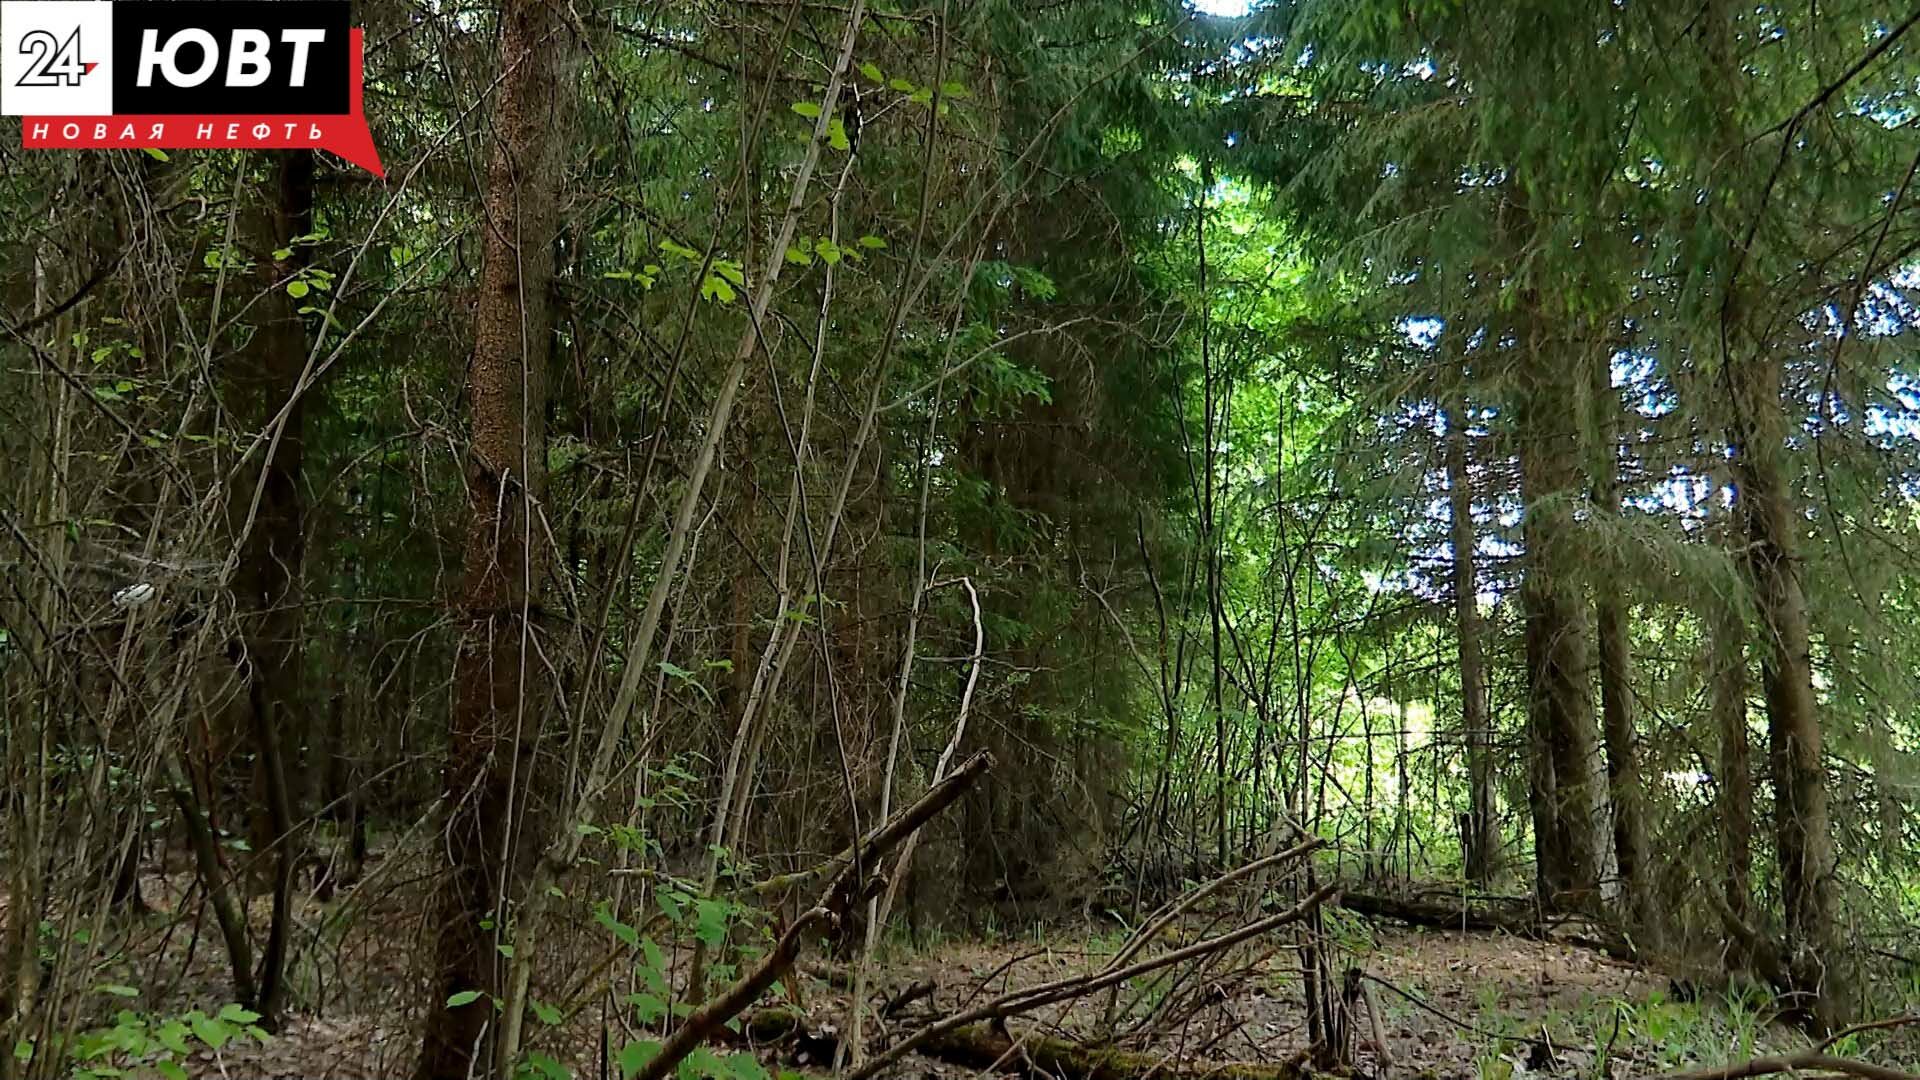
(1508, 918)
(846, 888)
(1806, 1061)
(888, 836)
(990, 1046)
(1034, 997)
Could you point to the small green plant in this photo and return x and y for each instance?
(135, 1041)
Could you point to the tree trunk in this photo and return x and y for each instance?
(499, 690)
(1802, 829)
(1624, 784)
(1734, 784)
(267, 512)
(1623, 766)
(1558, 685)
(1479, 838)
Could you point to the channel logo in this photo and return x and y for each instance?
(231, 74)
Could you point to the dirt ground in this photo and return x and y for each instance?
(1450, 1004)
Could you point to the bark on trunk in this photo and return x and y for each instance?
(266, 508)
(1558, 686)
(1624, 784)
(1802, 829)
(1734, 784)
(499, 688)
(1623, 767)
(1479, 837)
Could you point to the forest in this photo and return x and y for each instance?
(1076, 539)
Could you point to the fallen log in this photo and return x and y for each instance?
(1520, 920)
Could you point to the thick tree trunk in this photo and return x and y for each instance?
(266, 508)
(1802, 829)
(1479, 837)
(1558, 677)
(499, 689)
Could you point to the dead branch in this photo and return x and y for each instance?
(886, 837)
(1805, 1061)
(1034, 997)
(843, 891)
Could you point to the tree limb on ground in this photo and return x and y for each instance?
(1034, 997)
(846, 888)
(1812, 1061)
(991, 1046)
(1520, 920)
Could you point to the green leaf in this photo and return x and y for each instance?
(872, 71)
(681, 250)
(23, 1051)
(670, 904)
(505, 950)
(837, 135)
(747, 1067)
(116, 989)
(710, 922)
(905, 86)
(210, 1031)
(828, 251)
(871, 243)
(463, 998)
(703, 1063)
(807, 109)
(654, 966)
(647, 1008)
(170, 1070)
(715, 287)
(799, 257)
(173, 1036)
(633, 1056)
(953, 90)
(297, 289)
(626, 934)
(154, 152)
(548, 1015)
(234, 1014)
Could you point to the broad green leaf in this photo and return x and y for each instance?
(806, 108)
(463, 998)
(872, 71)
(636, 1054)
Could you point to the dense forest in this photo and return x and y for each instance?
(1097, 539)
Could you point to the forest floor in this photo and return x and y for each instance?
(1452, 1005)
